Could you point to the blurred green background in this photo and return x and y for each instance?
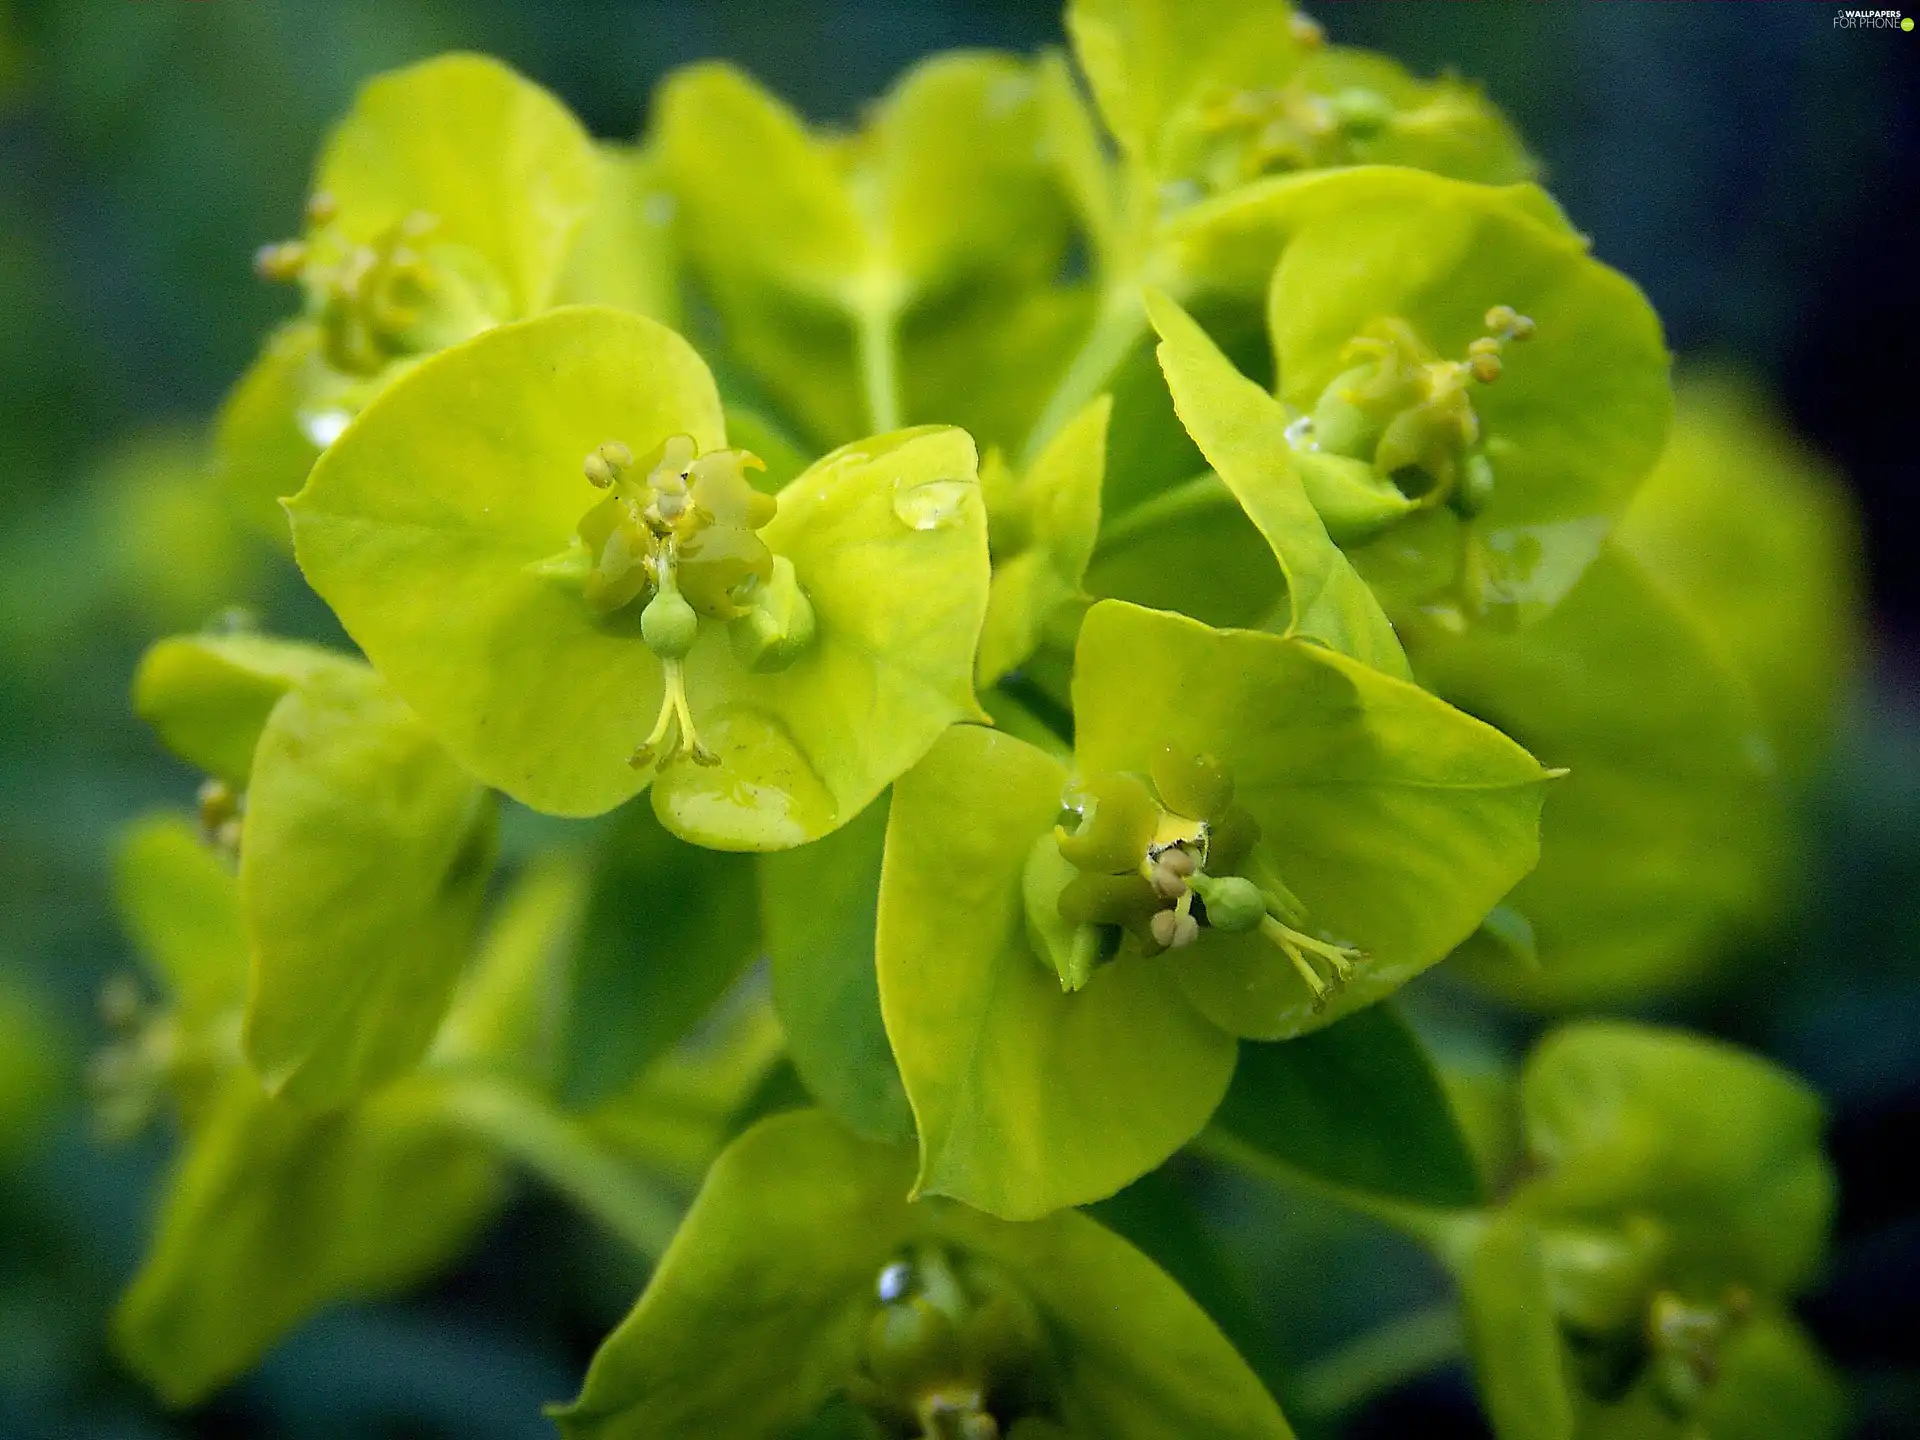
(1754, 168)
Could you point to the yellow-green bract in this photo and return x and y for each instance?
(755, 1317)
(365, 855)
(442, 528)
(1398, 821)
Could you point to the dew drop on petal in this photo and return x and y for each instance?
(1300, 434)
(323, 427)
(930, 504)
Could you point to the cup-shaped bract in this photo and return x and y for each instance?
(468, 583)
(1757, 540)
(1207, 100)
(1669, 839)
(907, 271)
(1062, 1003)
(1444, 335)
(1026, 1098)
(801, 1273)
(1635, 1282)
(1396, 821)
(363, 851)
(1718, 1143)
(446, 201)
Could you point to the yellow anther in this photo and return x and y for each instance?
(1485, 366)
(321, 208)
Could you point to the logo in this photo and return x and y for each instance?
(1872, 20)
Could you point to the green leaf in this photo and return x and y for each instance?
(1512, 1334)
(179, 901)
(1048, 519)
(668, 928)
(754, 1318)
(463, 586)
(1027, 1098)
(1673, 795)
(1398, 821)
(365, 859)
(208, 696)
(1757, 541)
(819, 905)
(1724, 1145)
(1574, 422)
(272, 1213)
(501, 165)
(1359, 1105)
(1243, 433)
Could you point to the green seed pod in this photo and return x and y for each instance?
(911, 1348)
(719, 567)
(1118, 820)
(669, 625)
(1234, 904)
(1196, 786)
(778, 626)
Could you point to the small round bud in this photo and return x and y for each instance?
(1234, 904)
(1501, 317)
(1485, 367)
(1521, 329)
(322, 208)
(669, 625)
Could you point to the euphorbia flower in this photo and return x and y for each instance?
(543, 541)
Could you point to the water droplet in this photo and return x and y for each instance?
(930, 504)
(323, 427)
(1300, 434)
(894, 1280)
(763, 795)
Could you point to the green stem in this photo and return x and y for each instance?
(556, 1149)
(1449, 1234)
(1403, 1348)
(1117, 328)
(876, 323)
(1202, 494)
